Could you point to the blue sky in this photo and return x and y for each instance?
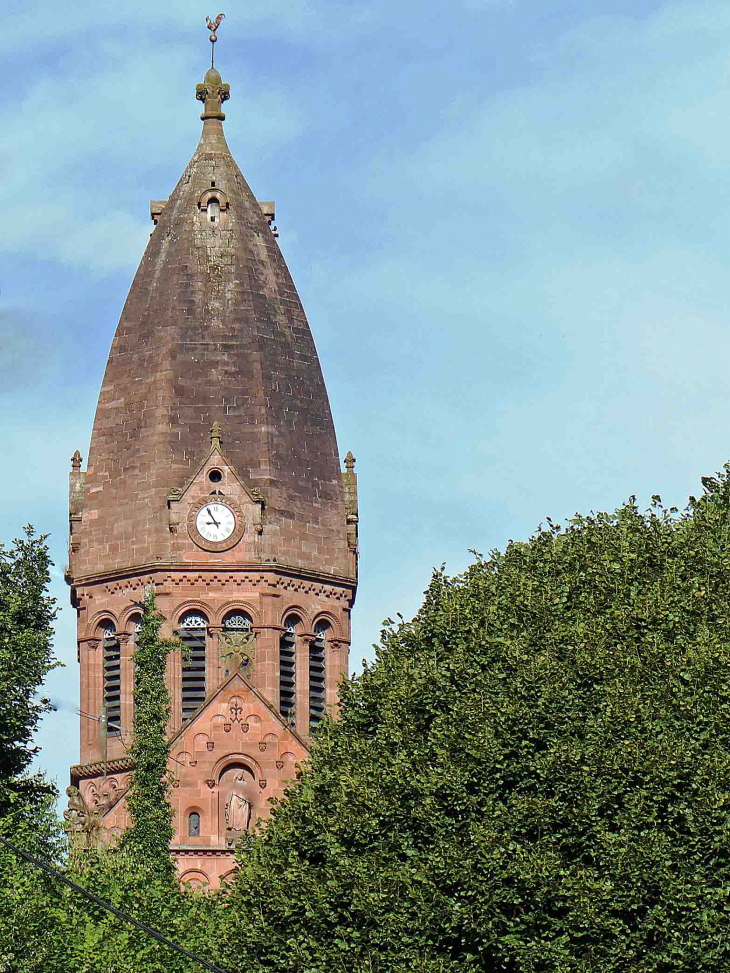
(508, 222)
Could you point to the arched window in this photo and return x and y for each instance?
(194, 824)
(237, 620)
(317, 675)
(288, 670)
(112, 677)
(192, 632)
(213, 210)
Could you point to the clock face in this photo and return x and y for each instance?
(215, 521)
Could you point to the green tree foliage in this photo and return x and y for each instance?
(27, 896)
(26, 657)
(533, 776)
(46, 927)
(147, 799)
(27, 811)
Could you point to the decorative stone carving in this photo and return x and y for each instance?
(279, 764)
(82, 823)
(215, 435)
(213, 92)
(237, 648)
(210, 745)
(263, 783)
(211, 783)
(101, 794)
(238, 808)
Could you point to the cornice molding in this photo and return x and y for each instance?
(133, 574)
(97, 767)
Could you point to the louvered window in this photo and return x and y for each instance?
(112, 678)
(317, 676)
(192, 633)
(287, 669)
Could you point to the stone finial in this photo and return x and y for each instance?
(213, 92)
(76, 460)
(215, 434)
(350, 462)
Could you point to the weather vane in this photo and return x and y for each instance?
(213, 26)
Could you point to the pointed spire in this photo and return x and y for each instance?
(213, 92)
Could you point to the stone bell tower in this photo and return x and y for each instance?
(214, 477)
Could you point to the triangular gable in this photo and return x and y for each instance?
(240, 684)
(252, 493)
(236, 677)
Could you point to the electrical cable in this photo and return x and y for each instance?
(110, 908)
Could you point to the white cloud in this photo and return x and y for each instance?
(82, 133)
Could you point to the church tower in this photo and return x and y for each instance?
(213, 477)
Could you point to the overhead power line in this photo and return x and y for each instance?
(44, 866)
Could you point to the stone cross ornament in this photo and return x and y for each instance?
(237, 648)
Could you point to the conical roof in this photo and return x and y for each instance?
(212, 330)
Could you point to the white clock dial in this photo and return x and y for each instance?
(215, 521)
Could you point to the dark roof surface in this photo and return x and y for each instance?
(212, 329)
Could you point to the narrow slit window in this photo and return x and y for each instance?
(192, 632)
(214, 210)
(317, 676)
(287, 670)
(112, 679)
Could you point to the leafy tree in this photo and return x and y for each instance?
(533, 776)
(46, 926)
(27, 801)
(28, 897)
(26, 658)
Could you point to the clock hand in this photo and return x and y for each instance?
(212, 518)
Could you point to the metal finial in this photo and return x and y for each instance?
(213, 26)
